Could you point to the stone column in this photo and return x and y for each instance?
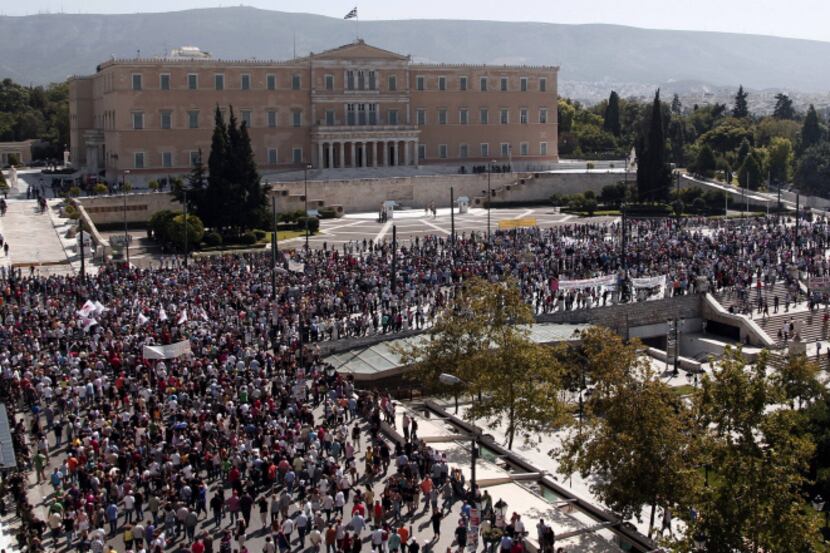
(351, 151)
(321, 160)
(385, 146)
(375, 154)
(406, 146)
(395, 154)
(330, 149)
(342, 155)
(416, 146)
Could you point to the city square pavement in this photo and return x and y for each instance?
(413, 223)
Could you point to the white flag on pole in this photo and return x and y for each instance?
(182, 317)
(87, 310)
(100, 308)
(162, 314)
(142, 319)
(87, 323)
(204, 314)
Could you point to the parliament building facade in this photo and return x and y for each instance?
(353, 106)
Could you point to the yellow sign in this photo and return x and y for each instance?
(507, 224)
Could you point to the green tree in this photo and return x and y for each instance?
(751, 173)
(740, 109)
(482, 339)
(783, 107)
(566, 113)
(611, 121)
(757, 456)
(705, 164)
(653, 173)
(811, 132)
(781, 157)
(743, 150)
(676, 105)
(726, 136)
(213, 211)
(176, 232)
(636, 441)
(812, 175)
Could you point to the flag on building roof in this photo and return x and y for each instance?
(352, 14)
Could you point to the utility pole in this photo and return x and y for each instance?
(394, 258)
(274, 246)
(452, 218)
(184, 192)
(797, 213)
(126, 236)
(489, 197)
(306, 167)
(83, 259)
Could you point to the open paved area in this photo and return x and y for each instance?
(417, 223)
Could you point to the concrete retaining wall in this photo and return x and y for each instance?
(358, 195)
(140, 207)
(620, 318)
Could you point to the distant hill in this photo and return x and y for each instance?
(49, 47)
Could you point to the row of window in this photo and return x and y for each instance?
(483, 116)
(192, 81)
(355, 80)
(356, 114)
(193, 120)
(483, 84)
(166, 159)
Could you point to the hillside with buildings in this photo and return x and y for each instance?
(593, 57)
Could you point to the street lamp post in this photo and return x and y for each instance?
(184, 192)
(452, 380)
(489, 197)
(306, 167)
(274, 246)
(126, 236)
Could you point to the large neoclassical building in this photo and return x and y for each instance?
(353, 106)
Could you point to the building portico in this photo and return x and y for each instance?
(337, 148)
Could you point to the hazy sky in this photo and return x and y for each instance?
(793, 18)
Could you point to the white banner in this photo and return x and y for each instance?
(170, 351)
(649, 282)
(296, 267)
(607, 280)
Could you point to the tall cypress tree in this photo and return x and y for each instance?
(217, 183)
(611, 123)
(741, 108)
(811, 131)
(253, 194)
(653, 173)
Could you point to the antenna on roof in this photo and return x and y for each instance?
(138, 53)
(295, 44)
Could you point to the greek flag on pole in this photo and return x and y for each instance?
(352, 14)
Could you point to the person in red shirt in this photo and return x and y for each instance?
(198, 546)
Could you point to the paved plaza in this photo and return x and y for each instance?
(418, 223)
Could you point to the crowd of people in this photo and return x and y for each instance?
(182, 452)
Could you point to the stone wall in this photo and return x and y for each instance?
(619, 318)
(367, 195)
(109, 209)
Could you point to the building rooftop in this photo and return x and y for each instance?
(382, 361)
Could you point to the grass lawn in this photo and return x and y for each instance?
(283, 235)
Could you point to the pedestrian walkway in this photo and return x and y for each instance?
(32, 238)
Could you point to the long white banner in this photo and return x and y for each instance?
(649, 282)
(607, 280)
(170, 351)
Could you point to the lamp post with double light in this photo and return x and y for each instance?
(452, 380)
